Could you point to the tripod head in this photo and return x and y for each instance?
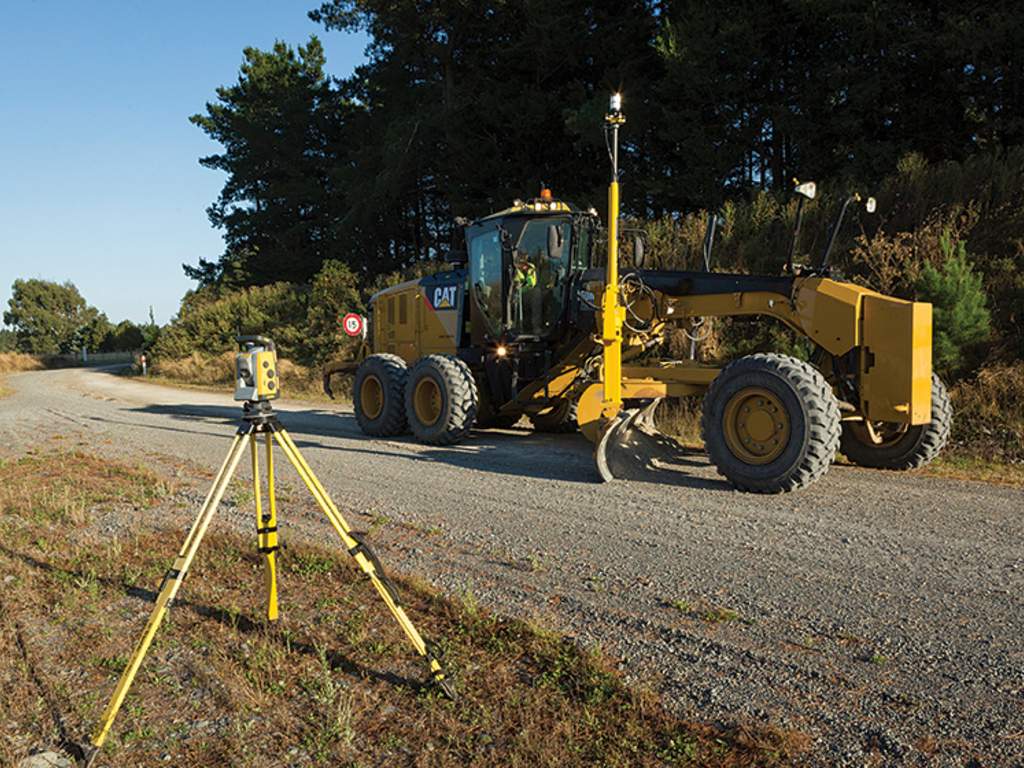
(256, 379)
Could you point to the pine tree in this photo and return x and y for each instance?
(961, 317)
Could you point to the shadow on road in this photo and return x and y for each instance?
(514, 452)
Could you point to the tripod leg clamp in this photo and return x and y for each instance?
(363, 548)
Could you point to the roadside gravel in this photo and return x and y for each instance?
(879, 613)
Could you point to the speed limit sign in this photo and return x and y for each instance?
(352, 324)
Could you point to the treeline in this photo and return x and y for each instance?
(949, 233)
(48, 318)
(463, 106)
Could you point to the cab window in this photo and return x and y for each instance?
(485, 274)
(541, 260)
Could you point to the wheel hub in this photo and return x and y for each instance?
(426, 401)
(757, 425)
(371, 397)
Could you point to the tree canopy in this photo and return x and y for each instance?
(463, 106)
(50, 318)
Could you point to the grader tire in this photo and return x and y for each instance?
(441, 400)
(900, 449)
(770, 423)
(379, 395)
(560, 419)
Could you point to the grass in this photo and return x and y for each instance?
(705, 611)
(335, 683)
(11, 362)
(217, 374)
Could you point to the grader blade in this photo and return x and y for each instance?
(630, 447)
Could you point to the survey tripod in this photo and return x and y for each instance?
(256, 385)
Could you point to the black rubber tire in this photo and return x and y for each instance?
(814, 423)
(459, 399)
(391, 372)
(918, 445)
(560, 420)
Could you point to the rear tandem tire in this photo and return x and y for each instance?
(441, 400)
(770, 423)
(909, 448)
(378, 395)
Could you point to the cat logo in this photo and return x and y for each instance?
(445, 296)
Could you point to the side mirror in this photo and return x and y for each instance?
(457, 253)
(638, 252)
(554, 241)
(455, 256)
(808, 190)
(870, 205)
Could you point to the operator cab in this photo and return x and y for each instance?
(522, 264)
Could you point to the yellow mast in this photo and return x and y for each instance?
(613, 314)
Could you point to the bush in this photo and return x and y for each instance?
(335, 291)
(961, 319)
(988, 420)
(210, 320)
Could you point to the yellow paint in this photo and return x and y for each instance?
(895, 360)
(612, 315)
(830, 312)
(405, 324)
(756, 425)
(268, 540)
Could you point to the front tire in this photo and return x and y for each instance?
(441, 400)
(560, 418)
(379, 395)
(770, 423)
(901, 447)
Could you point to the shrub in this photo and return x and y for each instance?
(988, 419)
(210, 320)
(961, 318)
(335, 291)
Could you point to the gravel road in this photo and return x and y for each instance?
(879, 613)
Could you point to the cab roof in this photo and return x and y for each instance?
(535, 207)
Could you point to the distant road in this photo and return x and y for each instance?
(874, 611)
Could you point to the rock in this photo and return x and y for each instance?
(46, 760)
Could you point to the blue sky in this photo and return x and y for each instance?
(100, 182)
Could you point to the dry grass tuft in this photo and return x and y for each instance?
(334, 684)
(988, 415)
(17, 361)
(11, 362)
(218, 372)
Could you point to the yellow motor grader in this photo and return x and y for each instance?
(527, 324)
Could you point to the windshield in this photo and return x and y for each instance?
(541, 271)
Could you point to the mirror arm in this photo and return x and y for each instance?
(823, 264)
(709, 239)
(796, 234)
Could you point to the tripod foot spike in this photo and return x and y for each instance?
(446, 688)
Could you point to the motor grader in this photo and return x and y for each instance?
(527, 323)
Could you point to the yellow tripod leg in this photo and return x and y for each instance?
(364, 557)
(266, 524)
(168, 590)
